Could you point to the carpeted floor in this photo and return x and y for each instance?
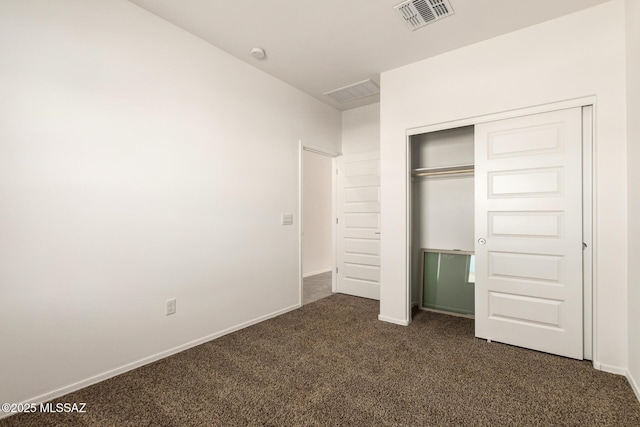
(332, 363)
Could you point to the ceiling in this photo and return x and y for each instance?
(319, 46)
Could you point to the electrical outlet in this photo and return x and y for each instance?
(171, 306)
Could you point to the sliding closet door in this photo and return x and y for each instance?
(358, 241)
(529, 232)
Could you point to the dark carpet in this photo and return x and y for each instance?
(332, 363)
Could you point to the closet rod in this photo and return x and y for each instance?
(459, 171)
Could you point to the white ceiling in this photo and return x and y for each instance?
(318, 46)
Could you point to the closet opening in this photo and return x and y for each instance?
(442, 221)
(501, 213)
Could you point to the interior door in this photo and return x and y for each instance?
(358, 225)
(529, 232)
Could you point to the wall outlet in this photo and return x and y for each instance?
(171, 306)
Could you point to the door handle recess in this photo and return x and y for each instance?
(481, 241)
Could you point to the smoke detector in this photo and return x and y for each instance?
(258, 53)
(418, 13)
(355, 91)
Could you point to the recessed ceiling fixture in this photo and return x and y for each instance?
(258, 53)
(355, 91)
(418, 13)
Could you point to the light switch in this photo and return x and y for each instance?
(287, 219)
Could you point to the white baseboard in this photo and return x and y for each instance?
(313, 273)
(634, 385)
(610, 369)
(620, 371)
(392, 320)
(145, 361)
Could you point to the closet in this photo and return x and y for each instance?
(442, 187)
(500, 227)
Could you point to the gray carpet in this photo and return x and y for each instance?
(332, 363)
(316, 287)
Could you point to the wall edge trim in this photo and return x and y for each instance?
(393, 320)
(45, 397)
(322, 270)
(634, 385)
(610, 369)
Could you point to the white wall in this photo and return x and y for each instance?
(317, 250)
(442, 217)
(137, 164)
(578, 55)
(361, 129)
(633, 147)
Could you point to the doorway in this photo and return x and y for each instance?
(317, 194)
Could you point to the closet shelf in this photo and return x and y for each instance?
(443, 170)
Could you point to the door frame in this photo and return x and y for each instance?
(590, 285)
(302, 147)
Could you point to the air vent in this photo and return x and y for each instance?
(418, 13)
(355, 91)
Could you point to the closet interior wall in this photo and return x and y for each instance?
(442, 214)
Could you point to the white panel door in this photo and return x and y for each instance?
(358, 251)
(529, 232)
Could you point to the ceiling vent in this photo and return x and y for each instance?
(355, 91)
(418, 13)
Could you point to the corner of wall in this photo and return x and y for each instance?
(633, 196)
(634, 385)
